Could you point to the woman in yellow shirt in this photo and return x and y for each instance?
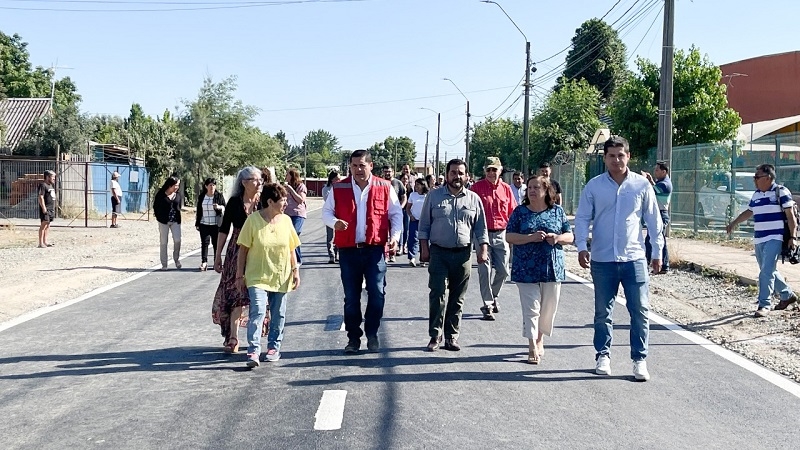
(267, 267)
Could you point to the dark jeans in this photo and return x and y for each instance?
(357, 265)
(447, 269)
(208, 232)
(404, 234)
(298, 222)
(648, 249)
(333, 252)
(413, 242)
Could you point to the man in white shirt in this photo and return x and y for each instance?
(616, 202)
(116, 199)
(365, 213)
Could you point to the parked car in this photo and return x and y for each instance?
(714, 201)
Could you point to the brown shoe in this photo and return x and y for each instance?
(433, 345)
(783, 304)
(452, 345)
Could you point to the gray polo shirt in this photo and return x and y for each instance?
(453, 221)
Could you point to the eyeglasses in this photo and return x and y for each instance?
(254, 179)
(491, 169)
(759, 176)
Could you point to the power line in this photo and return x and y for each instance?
(503, 102)
(570, 45)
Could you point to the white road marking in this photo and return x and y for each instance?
(331, 410)
(341, 328)
(761, 371)
(48, 309)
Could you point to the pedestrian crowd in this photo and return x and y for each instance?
(517, 231)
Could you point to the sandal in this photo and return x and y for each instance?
(232, 346)
(533, 357)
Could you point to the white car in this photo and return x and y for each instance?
(715, 199)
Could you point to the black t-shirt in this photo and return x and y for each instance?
(49, 193)
(399, 189)
(556, 186)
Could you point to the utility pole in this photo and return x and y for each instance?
(395, 155)
(526, 120)
(667, 73)
(438, 131)
(425, 161)
(466, 140)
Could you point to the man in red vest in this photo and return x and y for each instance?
(365, 211)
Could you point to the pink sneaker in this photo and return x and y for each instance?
(252, 360)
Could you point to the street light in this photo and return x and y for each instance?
(525, 120)
(425, 161)
(466, 136)
(438, 132)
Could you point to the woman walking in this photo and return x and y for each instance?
(210, 206)
(167, 208)
(333, 252)
(414, 210)
(296, 204)
(538, 228)
(226, 310)
(267, 267)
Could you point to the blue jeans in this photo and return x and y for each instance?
(298, 222)
(357, 265)
(259, 299)
(649, 248)
(404, 234)
(634, 277)
(413, 242)
(769, 279)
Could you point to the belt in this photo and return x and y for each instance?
(451, 249)
(365, 245)
(497, 231)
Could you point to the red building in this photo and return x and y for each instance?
(765, 87)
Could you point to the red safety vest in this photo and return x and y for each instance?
(378, 200)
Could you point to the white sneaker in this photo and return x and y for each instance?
(413, 262)
(603, 366)
(640, 371)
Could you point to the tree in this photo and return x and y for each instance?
(399, 150)
(597, 56)
(700, 111)
(566, 122)
(496, 137)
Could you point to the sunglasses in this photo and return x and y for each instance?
(759, 176)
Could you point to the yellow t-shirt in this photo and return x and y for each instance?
(270, 249)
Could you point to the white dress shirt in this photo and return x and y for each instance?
(616, 211)
(395, 212)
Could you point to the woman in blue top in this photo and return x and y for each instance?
(537, 229)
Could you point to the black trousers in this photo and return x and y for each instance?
(208, 232)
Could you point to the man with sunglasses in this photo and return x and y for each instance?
(663, 187)
(770, 205)
(498, 203)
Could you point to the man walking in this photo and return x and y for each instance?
(116, 199)
(545, 170)
(519, 187)
(771, 209)
(47, 206)
(616, 202)
(663, 188)
(498, 203)
(400, 191)
(452, 217)
(364, 211)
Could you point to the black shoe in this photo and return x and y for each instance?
(331, 261)
(487, 313)
(495, 306)
(353, 347)
(783, 304)
(373, 345)
(452, 345)
(433, 345)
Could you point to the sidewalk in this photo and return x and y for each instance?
(728, 259)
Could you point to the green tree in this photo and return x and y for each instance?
(566, 122)
(700, 111)
(400, 150)
(597, 56)
(496, 137)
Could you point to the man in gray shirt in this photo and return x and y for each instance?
(452, 218)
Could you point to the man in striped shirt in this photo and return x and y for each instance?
(769, 207)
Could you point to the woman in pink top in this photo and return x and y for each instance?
(296, 204)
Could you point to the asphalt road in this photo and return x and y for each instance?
(141, 366)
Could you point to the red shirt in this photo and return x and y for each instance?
(498, 202)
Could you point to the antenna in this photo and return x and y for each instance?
(52, 71)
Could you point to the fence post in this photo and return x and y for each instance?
(696, 187)
(86, 194)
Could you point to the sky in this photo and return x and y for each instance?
(361, 69)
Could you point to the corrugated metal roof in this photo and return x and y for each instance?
(18, 114)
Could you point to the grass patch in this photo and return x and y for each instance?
(714, 238)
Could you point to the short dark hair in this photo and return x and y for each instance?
(424, 185)
(616, 141)
(456, 162)
(361, 154)
(663, 166)
(517, 174)
(208, 181)
(544, 165)
(49, 173)
(768, 170)
(387, 167)
(272, 191)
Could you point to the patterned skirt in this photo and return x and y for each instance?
(228, 296)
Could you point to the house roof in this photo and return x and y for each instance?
(18, 114)
(752, 131)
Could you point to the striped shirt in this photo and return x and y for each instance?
(768, 213)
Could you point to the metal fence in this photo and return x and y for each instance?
(570, 170)
(82, 188)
